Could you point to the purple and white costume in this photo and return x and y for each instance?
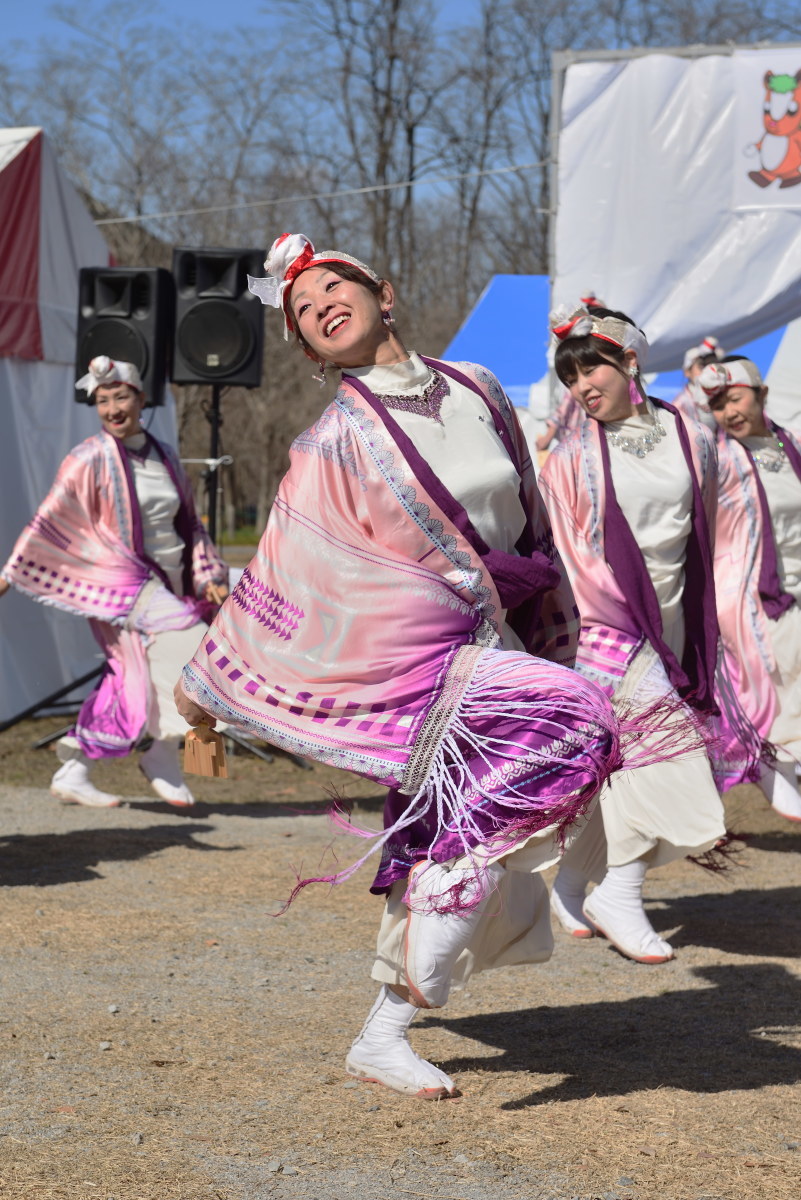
(117, 540)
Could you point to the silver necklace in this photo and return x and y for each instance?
(776, 459)
(638, 446)
(426, 405)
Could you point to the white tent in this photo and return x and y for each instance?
(46, 236)
(668, 205)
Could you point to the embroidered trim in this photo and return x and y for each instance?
(747, 483)
(384, 771)
(590, 470)
(490, 382)
(439, 717)
(327, 443)
(427, 404)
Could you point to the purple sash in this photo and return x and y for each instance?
(774, 600)
(521, 578)
(693, 677)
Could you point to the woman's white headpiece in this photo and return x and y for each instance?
(290, 254)
(104, 370)
(710, 345)
(579, 322)
(717, 377)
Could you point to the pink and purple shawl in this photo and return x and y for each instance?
(83, 552)
(567, 417)
(617, 601)
(747, 577)
(361, 635)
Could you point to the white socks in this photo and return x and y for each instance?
(780, 787)
(71, 783)
(434, 940)
(161, 766)
(615, 909)
(382, 1054)
(567, 899)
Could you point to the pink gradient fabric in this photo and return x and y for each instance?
(572, 483)
(83, 552)
(739, 552)
(573, 486)
(364, 633)
(338, 639)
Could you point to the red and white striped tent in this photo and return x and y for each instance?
(46, 235)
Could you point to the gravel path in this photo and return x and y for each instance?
(165, 1038)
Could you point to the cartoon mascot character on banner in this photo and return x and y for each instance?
(779, 147)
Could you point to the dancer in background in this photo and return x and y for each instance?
(117, 541)
(692, 400)
(567, 415)
(758, 565)
(632, 500)
(388, 624)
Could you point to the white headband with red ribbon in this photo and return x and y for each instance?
(709, 345)
(290, 254)
(578, 322)
(717, 377)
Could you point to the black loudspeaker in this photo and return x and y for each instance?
(219, 324)
(127, 313)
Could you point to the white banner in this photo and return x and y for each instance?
(677, 193)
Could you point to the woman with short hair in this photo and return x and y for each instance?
(117, 541)
(758, 565)
(691, 400)
(388, 624)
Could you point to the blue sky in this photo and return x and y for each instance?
(28, 20)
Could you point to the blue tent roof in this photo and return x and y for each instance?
(762, 351)
(507, 331)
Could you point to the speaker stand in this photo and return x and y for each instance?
(214, 419)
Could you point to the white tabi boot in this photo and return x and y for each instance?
(567, 898)
(433, 940)
(382, 1054)
(780, 788)
(432, 943)
(71, 783)
(616, 911)
(161, 766)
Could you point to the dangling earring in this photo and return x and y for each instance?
(387, 318)
(321, 377)
(635, 395)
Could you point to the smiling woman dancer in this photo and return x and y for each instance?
(117, 540)
(758, 565)
(631, 497)
(692, 400)
(388, 624)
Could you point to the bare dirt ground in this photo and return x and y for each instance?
(165, 1038)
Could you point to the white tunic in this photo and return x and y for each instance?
(672, 808)
(655, 494)
(158, 503)
(464, 452)
(167, 652)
